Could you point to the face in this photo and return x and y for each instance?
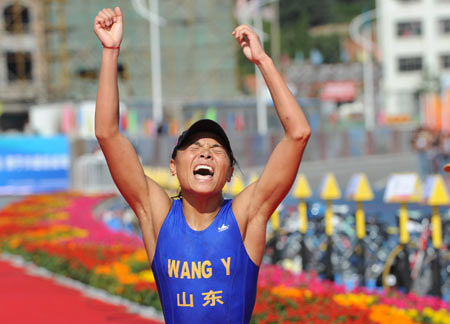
(202, 165)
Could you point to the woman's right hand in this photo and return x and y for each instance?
(108, 27)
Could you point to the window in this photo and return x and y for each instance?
(17, 19)
(445, 61)
(410, 28)
(444, 26)
(407, 64)
(92, 73)
(18, 66)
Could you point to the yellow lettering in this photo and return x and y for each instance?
(173, 267)
(206, 272)
(183, 303)
(226, 264)
(185, 271)
(196, 270)
(211, 297)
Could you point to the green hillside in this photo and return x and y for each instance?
(297, 17)
(322, 11)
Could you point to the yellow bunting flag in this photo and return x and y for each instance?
(329, 189)
(435, 192)
(302, 189)
(237, 185)
(359, 189)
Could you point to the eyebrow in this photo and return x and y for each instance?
(197, 143)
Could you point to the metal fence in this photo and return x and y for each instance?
(90, 172)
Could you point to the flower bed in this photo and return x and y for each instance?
(284, 297)
(59, 232)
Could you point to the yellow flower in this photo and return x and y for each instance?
(147, 276)
(441, 316)
(14, 242)
(358, 300)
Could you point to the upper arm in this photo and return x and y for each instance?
(263, 197)
(257, 202)
(128, 175)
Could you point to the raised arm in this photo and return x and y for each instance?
(258, 201)
(123, 162)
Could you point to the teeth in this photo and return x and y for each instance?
(198, 167)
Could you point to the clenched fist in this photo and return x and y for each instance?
(250, 43)
(108, 27)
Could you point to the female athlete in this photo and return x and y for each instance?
(204, 250)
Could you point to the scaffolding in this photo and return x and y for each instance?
(18, 59)
(197, 49)
(56, 52)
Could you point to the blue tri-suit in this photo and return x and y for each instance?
(204, 276)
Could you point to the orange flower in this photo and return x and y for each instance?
(283, 291)
(385, 314)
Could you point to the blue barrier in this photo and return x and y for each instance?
(33, 164)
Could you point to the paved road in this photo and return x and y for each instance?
(376, 167)
(4, 200)
(34, 299)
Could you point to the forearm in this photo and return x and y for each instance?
(289, 112)
(107, 105)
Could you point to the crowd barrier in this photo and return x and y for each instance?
(253, 150)
(91, 175)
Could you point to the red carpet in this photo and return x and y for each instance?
(26, 299)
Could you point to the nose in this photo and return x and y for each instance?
(205, 154)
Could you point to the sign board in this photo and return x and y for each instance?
(338, 91)
(32, 164)
(403, 188)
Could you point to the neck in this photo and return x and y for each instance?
(200, 211)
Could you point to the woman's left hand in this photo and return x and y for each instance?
(250, 43)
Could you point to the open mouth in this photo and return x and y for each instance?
(203, 171)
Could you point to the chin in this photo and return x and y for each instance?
(206, 189)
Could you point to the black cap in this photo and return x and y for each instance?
(204, 125)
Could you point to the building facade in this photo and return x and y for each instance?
(22, 61)
(49, 53)
(414, 38)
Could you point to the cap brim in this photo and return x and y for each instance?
(447, 167)
(206, 125)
